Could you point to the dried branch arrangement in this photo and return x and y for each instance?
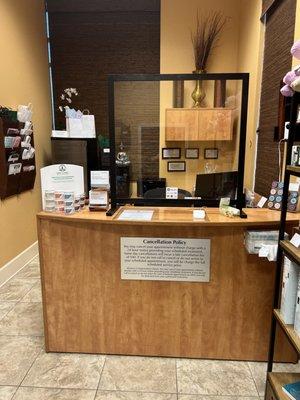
(206, 36)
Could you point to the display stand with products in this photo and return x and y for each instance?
(62, 188)
(17, 156)
(277, 381)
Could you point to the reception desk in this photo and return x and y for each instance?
(88, 308)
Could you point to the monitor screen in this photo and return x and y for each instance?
(217, 185)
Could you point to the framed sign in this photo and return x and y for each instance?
(169, 153)
(211, 154)
(192, 153)
(176, 166)
(165, 259)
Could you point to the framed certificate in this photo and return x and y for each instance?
(171, 153)
(176, 166)
(211, 154)
(192, 153)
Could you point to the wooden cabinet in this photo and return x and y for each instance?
(187, 124)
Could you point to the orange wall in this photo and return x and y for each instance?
(239, 50)
(250, 58)
(24, 79)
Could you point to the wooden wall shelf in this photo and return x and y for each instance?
(290, 251)
(199, 124)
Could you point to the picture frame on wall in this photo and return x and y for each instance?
(176, 166)
(192, 153)
(211, 153)
(171, 153)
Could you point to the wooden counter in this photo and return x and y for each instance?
(89, 309)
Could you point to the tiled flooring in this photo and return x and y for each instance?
(28, 373)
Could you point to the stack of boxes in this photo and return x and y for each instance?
(99, 193)
(254, 240)
(63, 202)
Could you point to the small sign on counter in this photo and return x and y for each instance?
(295, 240)
(171, 192)
(136, 215)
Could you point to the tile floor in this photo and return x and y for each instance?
(28, 373)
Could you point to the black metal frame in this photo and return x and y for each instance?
(294, 135)
(239, 202)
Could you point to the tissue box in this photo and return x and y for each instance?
(255, 239)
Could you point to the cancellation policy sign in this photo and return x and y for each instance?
(165, 259)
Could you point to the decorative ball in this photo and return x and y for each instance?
(289, 77)
(295, 50)
(287, 91)
(296, 85)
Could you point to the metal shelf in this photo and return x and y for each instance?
(292, 252)
(292, 170)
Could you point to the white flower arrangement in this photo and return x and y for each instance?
(66, 97)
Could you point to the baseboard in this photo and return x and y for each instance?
(16, 264)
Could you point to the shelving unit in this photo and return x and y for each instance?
(290, 251)
(276, 380)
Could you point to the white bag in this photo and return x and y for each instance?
(88, 125)
(74, 127)
(83, 127)
(24, 113)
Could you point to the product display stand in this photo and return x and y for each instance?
(275, 381)
(14, 183)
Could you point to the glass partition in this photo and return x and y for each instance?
(178, 139)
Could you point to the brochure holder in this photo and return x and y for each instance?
(17, 175)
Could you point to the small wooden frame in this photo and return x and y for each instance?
(211, 153)
(176, 166)
(171, 153)
(192, 153)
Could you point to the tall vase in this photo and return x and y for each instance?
(198, 94)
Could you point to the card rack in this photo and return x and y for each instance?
(13, 184)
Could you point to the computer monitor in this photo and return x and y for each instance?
(217, 185)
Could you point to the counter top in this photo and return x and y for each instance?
(178, 216)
